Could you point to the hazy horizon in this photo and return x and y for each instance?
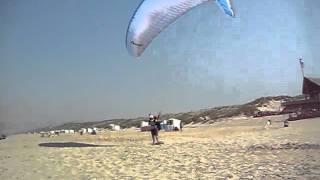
(66, 61)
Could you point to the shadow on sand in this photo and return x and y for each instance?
(71, 144)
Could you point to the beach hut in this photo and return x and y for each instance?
(57, 132)
(89, 130)
(172, 124)
(116, 128)
(144, 124)
(311, 88)
(95, 129)
(63, 131)
(175, 123)
(306, 105)
(83, 130)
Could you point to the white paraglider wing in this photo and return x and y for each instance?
(153, 16)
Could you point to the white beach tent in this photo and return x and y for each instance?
(116, 128)
(174, 122)
(83, 130)
(90, 130)
(144, 123)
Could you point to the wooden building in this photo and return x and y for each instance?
(307, 105)
(311, 88)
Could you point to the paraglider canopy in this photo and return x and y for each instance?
(153, 16)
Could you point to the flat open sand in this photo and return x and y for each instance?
(239, 149)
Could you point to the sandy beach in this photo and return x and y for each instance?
(238, 149)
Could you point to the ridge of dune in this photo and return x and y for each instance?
(202, 116)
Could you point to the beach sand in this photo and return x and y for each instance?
(239, 149)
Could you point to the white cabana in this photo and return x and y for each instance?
(83, 130)
(172, 124)
(175, 122)
(144, 123)
(89, 130)
(116, 128)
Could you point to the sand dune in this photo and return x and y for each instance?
(241, 149)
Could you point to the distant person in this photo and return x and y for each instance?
(268, 124)
(286, 123)
(42, 134)
(181, 126)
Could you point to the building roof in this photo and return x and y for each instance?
(311, 85)
(315, 80)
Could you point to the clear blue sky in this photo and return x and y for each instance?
(63, 61)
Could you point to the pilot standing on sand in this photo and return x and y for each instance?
(154, 129)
